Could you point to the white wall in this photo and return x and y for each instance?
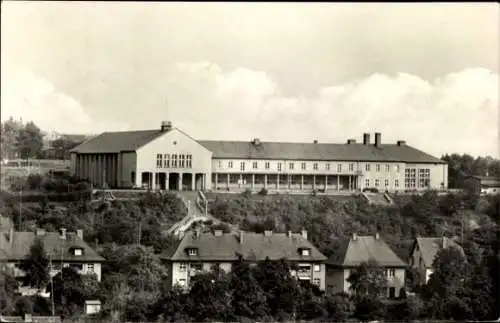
(174, 142)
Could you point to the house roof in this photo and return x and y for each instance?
(255, 247)
(19, 247)
(355, 251)
(317, 151)
(115, 142)
(429, 247)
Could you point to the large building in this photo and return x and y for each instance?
(168, 158)
(198, 252)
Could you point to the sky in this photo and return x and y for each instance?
(426, 73)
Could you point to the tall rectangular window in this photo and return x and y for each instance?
(230, 164)
(315, 166)
(174, 160)
(327, 166)
(166, 161)
(386, 182)
(398, 168)
(255, 165)
(242, 165)
(367, 167)
(367, 182)
(351, 167)
(159, 162)
(279, 167)
(290, 166)
(377, 167)
(189, 161)
(387, 168)
(181, 160)
(339, 168)
(267, 165)
(396, 183)
(303, 166)
(377, 182)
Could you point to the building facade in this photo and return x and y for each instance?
(169, 159)
(199, 252)
(364, 249)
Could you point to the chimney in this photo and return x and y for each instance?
(366, 139)
(377, 236)
(401, 142)
(241, 236)
(40, 232)
(218, 233)
(28, 317)
(166, 126)
(79, 233)
(268, 233)
(63, 233)
(304, 234)
(315, 141)
(354, 236)
(378, 139)
(289, 234)
(256, 141)
(351, 141)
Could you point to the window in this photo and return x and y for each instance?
(174, 160)
(230, 164)
(377, 167)
(327, 166)
(367, 182)
(189, 161)
(182, 266)
(387, 168)
(391, 272)
(397, 168)
(159, 162)
(351, 167)
(181, 161)
(396, 183)
(279, 167)
(90, 268)
(424, 176)
(267, 165)
(303, 166)
(339, 168)
(317, 268)
(305, 252)
(386, 183)
(410, 177)
(166, 161)
(78, 252)
(290, 166)
(367, 167)
(377, 183)
(255, 164)
(192, 252)
(315, 166)
(242, 165)
(317, 281)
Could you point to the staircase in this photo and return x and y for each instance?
(378, 198)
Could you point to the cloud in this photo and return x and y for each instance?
(32, 98)
(455, 113)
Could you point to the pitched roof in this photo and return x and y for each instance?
(353, 252)
(255, 246)
(429, 247)
(19, 247)
(115, 142)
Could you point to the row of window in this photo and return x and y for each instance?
(423, 179)
(183, 266)
(174, 161)
(90, 267)
(303, 166)
(377, 183)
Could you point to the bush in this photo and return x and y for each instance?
(247, 193)
(263, 191)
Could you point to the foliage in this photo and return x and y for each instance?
(461, 165)
(29, 141)
(368, 280)
(36, 266)
(368, 308)
(8, 287)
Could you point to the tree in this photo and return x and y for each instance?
(368, 279)
(368, 308)
(8, 288)
(30, 141)
(62, 146)
(338, 307)
(249, 299)
(69, 291)
(8, 139)
(36, 266)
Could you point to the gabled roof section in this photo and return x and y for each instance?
(255, 247)
(115, 142)
(19, 247)
(353, 252)
(317, 151)
(429, 248)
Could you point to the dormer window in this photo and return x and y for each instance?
(192, 252)
(305, 251)
(76, 251)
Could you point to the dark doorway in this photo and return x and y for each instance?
(162, 178)
(173, 181)
(392, 292)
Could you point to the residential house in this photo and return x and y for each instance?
(356, 250)
(68, 249)
(197, 252)
(485, 185)
(424, 251)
